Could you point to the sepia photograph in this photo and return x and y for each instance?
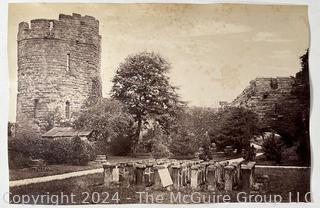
(158, 103)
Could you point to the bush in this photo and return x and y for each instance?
(272, 148)
(60, 151)
(18, 160)
(120, 145)
(160, 150)
(69, 151)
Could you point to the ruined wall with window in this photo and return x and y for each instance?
(57, 63)
(273, 101)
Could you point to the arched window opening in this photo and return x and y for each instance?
(68, 62)
(67, 110)
(35, 107)
(94, 85)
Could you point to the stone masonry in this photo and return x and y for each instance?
(271, 98)
(58, 68)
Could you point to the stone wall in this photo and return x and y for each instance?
(272, 99)
(58, 66)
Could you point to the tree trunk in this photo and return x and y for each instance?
(136, 139)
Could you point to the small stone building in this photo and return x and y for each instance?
(67, 133)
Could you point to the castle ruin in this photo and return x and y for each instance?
(274, 100)
(58, 69)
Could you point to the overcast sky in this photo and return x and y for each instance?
(215, 50)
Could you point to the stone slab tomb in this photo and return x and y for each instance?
(191, 174)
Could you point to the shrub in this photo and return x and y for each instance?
(70, 151)
(60, 151)
(160, 150)
(120, 145)
(18, 160)
(22, 149)
(272, 148)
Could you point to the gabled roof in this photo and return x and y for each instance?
(66, 132)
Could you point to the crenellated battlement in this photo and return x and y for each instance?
(262, 85)
(83, 29)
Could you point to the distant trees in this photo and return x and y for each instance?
(234, 126)
(142, 85)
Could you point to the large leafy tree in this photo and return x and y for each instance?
(142, 85)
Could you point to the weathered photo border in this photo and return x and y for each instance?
(314, 62)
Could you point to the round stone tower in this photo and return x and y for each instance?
(58, 69)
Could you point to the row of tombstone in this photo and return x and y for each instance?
(196, 175)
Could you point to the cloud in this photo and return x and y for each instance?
(217, 28)
(267, 37)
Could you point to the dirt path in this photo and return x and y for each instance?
(53, 177)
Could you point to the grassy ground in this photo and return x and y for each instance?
(263, 161)
(90, 190)
(23, 173)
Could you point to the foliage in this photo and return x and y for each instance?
(121, 145)
(272, 148)
(68, 151)
(160, 150)
(190, 131)
(18, 160)
(110, 122)
(297, 122)
(234, 126)
(59, 151)
(302, 91)
(11, 129)
(142, 85)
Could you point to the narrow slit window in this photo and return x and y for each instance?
(50, 26)
(68, 62)
(67, 109)
(35, 108)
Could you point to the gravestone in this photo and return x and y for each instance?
(165, 177)
(116, 174)
(107, 174)
(140, 168)
(124, 175)
(176, 176)
(195, 177)
(228, 150)
(157, 180)
(211, 178)
(131, 168)
(247, 175)
(101, 158)
(229, 176)
(149, 175)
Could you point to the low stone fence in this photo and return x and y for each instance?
(180, 174)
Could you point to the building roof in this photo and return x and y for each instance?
(66, 132)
